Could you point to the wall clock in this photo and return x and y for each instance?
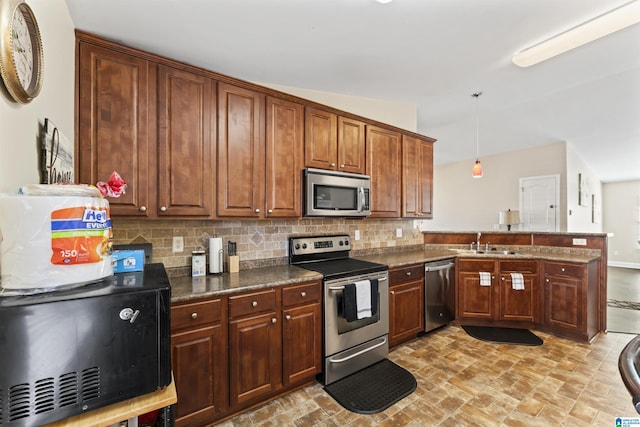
(21, 56)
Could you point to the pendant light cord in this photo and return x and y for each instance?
(477, 96)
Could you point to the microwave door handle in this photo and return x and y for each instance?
(361, 190)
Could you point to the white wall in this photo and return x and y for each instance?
(464, 203)
(621, 217)
(21, 124)
(580, 218)
(399, 114)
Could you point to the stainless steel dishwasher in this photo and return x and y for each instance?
(439, 294)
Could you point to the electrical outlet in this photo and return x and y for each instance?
(398, 232)
(580, 242)
(356, 235)
(178, 244)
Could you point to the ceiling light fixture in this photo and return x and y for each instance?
(384, 1)
(477, 167)
(603, 25)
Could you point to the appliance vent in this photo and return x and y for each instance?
(68, 389)
(19, 401)
(91, 383)
(44, 395)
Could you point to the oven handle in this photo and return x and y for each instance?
(344, 359)
(339, 288)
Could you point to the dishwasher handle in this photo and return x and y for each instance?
(427, 267)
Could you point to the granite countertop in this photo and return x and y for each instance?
(187, 288)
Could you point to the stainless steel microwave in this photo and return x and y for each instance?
(330, 193)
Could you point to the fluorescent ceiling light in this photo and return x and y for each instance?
(384, 1)
(610, 22)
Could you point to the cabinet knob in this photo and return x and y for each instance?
(194, 315)
(274, 320)
(332, 164)
(562, 268)
(408, 273)
(341, 166)
(303, 294)
(547, 280)
(163, 209)
(288, 317)
(270, 210)
(143, 209)
(502, 278)
(254, 304)
(257, 211)
(392, 292)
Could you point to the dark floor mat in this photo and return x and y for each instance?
(503, 335)
(373, 389)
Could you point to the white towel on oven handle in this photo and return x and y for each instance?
(517, 281)
(363, 298)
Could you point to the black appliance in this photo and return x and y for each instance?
(67, 352)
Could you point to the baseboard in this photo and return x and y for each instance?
(623, 264)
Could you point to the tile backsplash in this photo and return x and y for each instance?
(259, 243)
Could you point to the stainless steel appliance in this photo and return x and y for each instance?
(438, 293)
(71, 351)
(330, 193)
(348, 346)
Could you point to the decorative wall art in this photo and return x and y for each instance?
(583, 190)
(57, 156)
(595, 209)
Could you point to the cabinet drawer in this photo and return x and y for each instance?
(196, 314)
(519, 266)
(255, 302)
(475, 265)
(302, 294)
(406, 274)
(571, 270)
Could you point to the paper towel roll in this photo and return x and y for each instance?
(216, 255)
(51, 241)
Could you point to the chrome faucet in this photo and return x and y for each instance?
(478, 242)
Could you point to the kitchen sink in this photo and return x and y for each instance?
(489, 252)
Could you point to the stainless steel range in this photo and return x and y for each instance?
(352, 340)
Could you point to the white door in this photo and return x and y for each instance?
(539, 203)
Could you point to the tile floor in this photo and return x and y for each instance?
(466, 382)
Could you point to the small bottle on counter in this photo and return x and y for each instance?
(198, 263)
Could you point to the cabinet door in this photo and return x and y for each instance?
(384, 167)
(417, 179)
(200, 374)
(186, 150)
(351, 146)
(406, 311)
(115, 125)
(255, 361)
(320, 139)
(284, 152)
(301, 343)
(518, 304)
(240, 152)
(563, 302)
(475, 301)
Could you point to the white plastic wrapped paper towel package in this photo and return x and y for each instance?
(52, 241)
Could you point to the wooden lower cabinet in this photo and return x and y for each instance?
(571, 299)
(199, 360)
(498, 300)
(406, 303)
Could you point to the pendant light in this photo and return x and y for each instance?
(477, 167)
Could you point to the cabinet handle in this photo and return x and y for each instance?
(194, 315)
(562, 268)
(332, 164)
(254, 304)
(270, 210)
(502, 278)
(257, 211)
(392, 292)
(274, 320)
(408, 273)
(341, 166)
(143, 209)
(288, 317)
(547, 280)
(303, 294)
(163, 209)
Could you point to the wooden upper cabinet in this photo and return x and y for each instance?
(186, 146)
(334, 142)
(284, 158)
(241, 143)
(351, 145)
(384, 167)
(417, 177)
(115, 125)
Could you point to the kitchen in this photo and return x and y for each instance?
(257, 240)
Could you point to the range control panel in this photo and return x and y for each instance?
(319, 244)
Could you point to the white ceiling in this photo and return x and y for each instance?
(431, 53)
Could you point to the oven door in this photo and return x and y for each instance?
(338, 333)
